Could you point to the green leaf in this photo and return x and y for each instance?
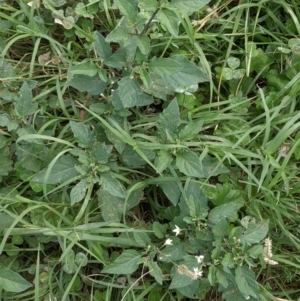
(212, 167)
(195, 200)
(122, 57)
(81, 259)
(163, 160)
(169, 120)
(128, 8)
(255, 232)
(189, 74)
(80, 10)
(127, 263)
(170, 20)
(226, 194)
(6, 162)
(6, 69)
(129, 91)
(111, 206)
(23, 104)
(4, 120)
(233, 62)
(78, 192)
(245, 280)
(155, 271)
(189, 6)
(189, 164)
(143, 43)
(159, 230)
(190, 130)
(69, 263)
(102, 48)
(12, 282)
(164, 66)
(83, 83)
(171, 253)
(172, 191)
(182, 277)
(89, 69)
(84, 135)
(131, 158)
(142, 239)
(101, 152)
(116, 141)
(5, 220)
(112, 185)
(63, 170)
(228, 210)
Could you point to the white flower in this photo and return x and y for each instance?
(168, 242)
(197, 273)
(176, 230)
(199, 258)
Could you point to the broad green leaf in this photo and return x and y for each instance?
(170, 20)
(155, 271)
(190, 130)
(195, 200)
(129, 91)
(6, 69)
(84, 135)
(245, 280)
(78, 192)
(83, 83)
(69, 263)
(12, 282)
(212, 167)
(221, 277)
(233, 62)
(189, 74)
(112, 185)
(127, 263)
(6, 162)
(159, 230)
(4, 120)
(227, 73)
(143, 44)
(144, 100)
(228, 211)
(81, 259)
(163, 160)
(164, 66)
(116, 141)
(131, 158)
(122, 57)
(189, 6)
(189, 164)
(169, 119)
(142, 239)
(5, 220)
(172, 191)
(111, 206)
(220, 230)
(88, 69)
(128, 8)
(101, 152)
(183, 277)
(23, 104)
(80, 10)
(63, 170)
(158, 87)
(196, 289)
(102, 48)
(226, 194)
(255, 232)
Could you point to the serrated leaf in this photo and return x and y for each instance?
(127, 263)
(63, 170)
(245, 280)
(128, 8)
(226, 194)
(101, 152)
(102, 48)
(155, 271)
(189, 6)
(195, 200)
(159, 230)
(129, 91)
(142, 239)
(169, 120)
(255, 232)
(143, 43)
(111, 206)
(78, 192)
(189, 164)
(88, 69)
(164, 66)
(228, 211)
(12, 282)
(170, 20)
(163, 160)
(23, 103)
(83, 83)
(122, 57)
(190, 130)
(84, 135)
(189, 74)
(112, 185)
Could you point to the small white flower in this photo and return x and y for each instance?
(199, 258)
(168, 242)
(197, 273)
(176, 230)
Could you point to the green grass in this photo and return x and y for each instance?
(120, 121)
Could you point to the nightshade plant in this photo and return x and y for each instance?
(116, 160)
